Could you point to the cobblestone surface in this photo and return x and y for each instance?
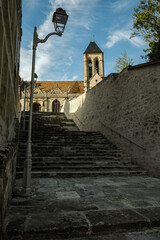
(125, 208)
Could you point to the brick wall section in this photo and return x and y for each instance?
(126, 108)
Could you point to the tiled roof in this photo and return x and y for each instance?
(75, 86)
(93, 48)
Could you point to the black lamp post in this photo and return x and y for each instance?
(59, 19)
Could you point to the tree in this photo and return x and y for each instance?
(146, 22)
(123, 62)
(153, 51)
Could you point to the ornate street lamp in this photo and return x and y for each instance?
(59, 19)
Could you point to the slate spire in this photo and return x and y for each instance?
(93, 48)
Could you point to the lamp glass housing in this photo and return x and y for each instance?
(60, 19)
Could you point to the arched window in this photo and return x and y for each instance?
(97, 66)
(56, 106)
(90, 68)
(36, 107)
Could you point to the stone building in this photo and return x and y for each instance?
(10, 38)
(50, 95)
(93, 65)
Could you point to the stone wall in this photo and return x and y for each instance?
(125, 108)
(10, 38)
(7, 176)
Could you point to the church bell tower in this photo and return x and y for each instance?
(93, 65)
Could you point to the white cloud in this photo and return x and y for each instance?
(25, 66)
(75, 77)
(78, 11)
(66, 77)
(72, 5)
(121, 5)
(70, 61)
(120, 35)
(55, 54)
(30, 3)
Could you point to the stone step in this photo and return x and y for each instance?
(72, 155)
(56, 140)
(80, 145)
(84, 173)
(77, 159)
(64, 143)
(78, 151)
(65, 152)
(63, 161)
(145, 233)
(79, 133)
(43, 138)
(64, 135)
(123, 224)
(51, 146)
(71, 148)
(80, 167)
(75, 167)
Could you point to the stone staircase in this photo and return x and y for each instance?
(83, 188)
(59, 149)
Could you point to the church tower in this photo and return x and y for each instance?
(93, 65)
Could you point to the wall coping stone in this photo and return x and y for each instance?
(143, 65)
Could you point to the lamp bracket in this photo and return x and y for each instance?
(46, 38)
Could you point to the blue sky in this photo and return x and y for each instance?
(108, 22)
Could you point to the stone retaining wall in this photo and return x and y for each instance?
(126, 108)
(7, 176)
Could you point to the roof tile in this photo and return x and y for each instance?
(75, 86)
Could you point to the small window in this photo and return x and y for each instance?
(56, 106)
(90, 68)
(36, 107)
(97, 66)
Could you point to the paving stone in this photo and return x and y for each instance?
(83, 186)
(67, 195)
(63, 224)
(116, 220)
(47, 236)
(86, 211)
(152, 214)
(115, 236)
(140, 204)
(152, 235)
(15, 224)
